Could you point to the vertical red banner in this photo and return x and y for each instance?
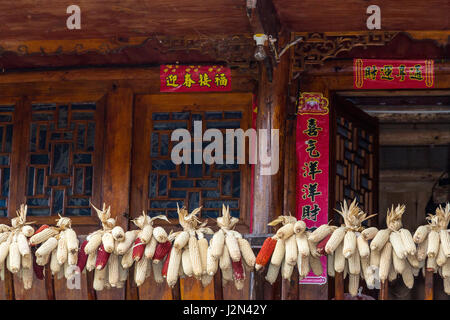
(312, 146)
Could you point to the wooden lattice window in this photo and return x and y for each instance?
(6, 136)
(61, 159)
(356, 157)
(191, 185)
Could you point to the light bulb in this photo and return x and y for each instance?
(260, 53)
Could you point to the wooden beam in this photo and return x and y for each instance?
(411, 137)
(402, 176)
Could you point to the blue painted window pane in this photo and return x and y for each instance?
(5, 118)
(180, 115)
(30, 186)
(163, 165)
(33, 137)
(80, 202)
(65, 181)
(162, 204)
(236, 191)
(62, 117)
(5, 182)
(82, 116)
(162, 185)
(56, 136)
(43, 107)
(39, 159)
(38, 211)
(196, 117)
(177, 193)
(210, 213)
(226, 184)
(173, 174)
(78, 211)
(53, 182)
(42, 116)
(213, 115)
(152, 185)
(61, 159)
(223, 124)
(233, 115)
(1, 137)
(3, 212)
(195, 170)
(169, 125)
(207, 183)
(164, 144)
(210, 194)
(58, 200)
(194, 200)
(37, 202)
(6, 108)
(182, 169)
(82, 158)
(182, 184)
(234, 166)
(78, 183)
(84, 106)
(39, 181)
(4, 160)
(42, 137)
(3, 203)
(154, 144)
(235, 213)
(80, 136)
(90, 139)
(172, 214)
(160, 116)
(88, 181)
(8, 138)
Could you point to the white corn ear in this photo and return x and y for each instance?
(146, 234)
(113, 270)
(123, 246)
(354, 264)
(349, 247)
(157, 271)
(203, 250)
(363, 247)
(339, 259)
(336, 238)
(233, 247)
(272, 273)
(217, 244)
(399, 264)
(385, 258)
(71, 240)
(278, 253)
(94, 242)
(149, 250)
(369, 233)
(302, 244)
(421, 234)
(380, 239)
(291, 251)
(321, 233)
(247, 252)
(186, 262)
(445, 242)
(181, 240)
(22, 244)
(285, 231)
(108, 242)
(212, 264)
(118, 235)
(14, 257)
(408, 241)
(160, 234)
(141, 271)
(61, 249)
(225, 260)
(99, 279)
(299, 226)
(194, 253)
(433, 244)
(174, 266)
(47, 247)
(397, 244)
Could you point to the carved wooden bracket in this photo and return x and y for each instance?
(315, 48)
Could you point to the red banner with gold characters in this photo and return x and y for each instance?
(176, 78)
(393, 74)
(312, 146)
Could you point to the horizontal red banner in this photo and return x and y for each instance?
(176, 78)
(393, 74)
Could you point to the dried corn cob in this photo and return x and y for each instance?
(299, 226)
(265, 253)
(363, 247)
(278, 253)
(421, 234)
(369, 233)
(150, 248)
(320, 248)
(272, 273)
(203, 250)
(408, 241)
(140, 271)
(321, 232)
(380, 239)
(129, 238)
(349, 247)
(397, 245)
(336, 238)
(247, 252)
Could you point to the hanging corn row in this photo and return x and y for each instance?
(393, 251)
(15, 249)
(433, 240)
(57, 245)
(289, 247)
(143, 246)
(188, 255)
(347, 247)
(99, 253)
(229, 251)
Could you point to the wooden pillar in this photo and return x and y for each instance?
(339, 286)
(218, 288)
(49, 284)
(429, 275)
(117, 161)
(268, 189)
(384, 290)
(9, 285)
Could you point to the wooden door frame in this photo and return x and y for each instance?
(333, 77)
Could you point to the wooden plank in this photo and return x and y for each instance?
(429, 275)
(384, 290)
(9, 286)
(49, 285)
(62, 292)
(408, 137)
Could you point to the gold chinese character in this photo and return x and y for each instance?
(171, 80)
(221, 80)
(204, 80)
(188, 82)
